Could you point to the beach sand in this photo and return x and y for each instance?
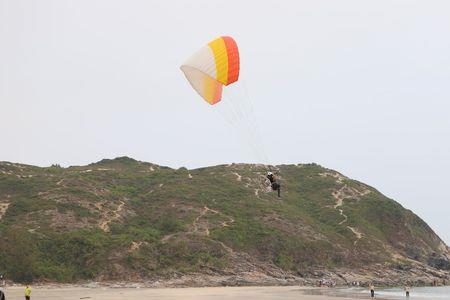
(209, 293)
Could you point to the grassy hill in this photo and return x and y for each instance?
(127, 220)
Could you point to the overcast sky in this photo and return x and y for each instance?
(362, 87)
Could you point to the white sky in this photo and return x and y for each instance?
(358, 86)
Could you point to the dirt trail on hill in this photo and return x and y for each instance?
(346, 192)
(206, 227)
(3, 208)
(104, 224)
(203, 227)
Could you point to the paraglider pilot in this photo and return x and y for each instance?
(273, 183)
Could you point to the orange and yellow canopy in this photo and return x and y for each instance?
(213, 66)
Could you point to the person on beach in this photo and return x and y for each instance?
(2, 295)
(27, 293)
(407, 289)
(372, 290)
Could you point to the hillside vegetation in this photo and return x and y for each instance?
(125, 220)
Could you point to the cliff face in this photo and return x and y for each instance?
(127, 220)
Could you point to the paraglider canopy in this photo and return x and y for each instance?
(213, 66)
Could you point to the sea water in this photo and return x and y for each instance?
(416, 293)
(438, 293)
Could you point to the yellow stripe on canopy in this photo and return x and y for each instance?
(221, 58)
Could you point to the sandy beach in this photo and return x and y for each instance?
(210, 293)
(221, 293)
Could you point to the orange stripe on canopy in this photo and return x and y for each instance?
(233, 59)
